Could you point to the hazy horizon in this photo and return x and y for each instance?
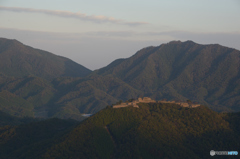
(94, 33)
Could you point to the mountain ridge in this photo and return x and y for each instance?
(20, 60)
(208, 74)
(172, 66)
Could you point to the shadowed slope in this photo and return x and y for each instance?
(31, 140)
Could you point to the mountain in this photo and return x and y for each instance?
(88, 95)
(19, 60)
(209, 74)
(26, 76)
(64, 97)
(153, 130)
(35, 83)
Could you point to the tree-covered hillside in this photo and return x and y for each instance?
(36, 83)
(9, 120)
(209, 74)
(151, 131)
(31, 140)
(19, 60)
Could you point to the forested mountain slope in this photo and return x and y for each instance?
(39, 84)
(150, 131)
(209, 74)
(19, 60)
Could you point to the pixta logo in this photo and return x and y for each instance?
(213, 153)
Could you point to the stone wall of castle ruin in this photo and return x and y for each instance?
(146, 100)
(126, 105)
(149, 100)
(166, 102)
(195, 105)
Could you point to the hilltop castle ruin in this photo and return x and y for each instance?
(149, 100)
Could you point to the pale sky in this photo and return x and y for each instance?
(93, 33)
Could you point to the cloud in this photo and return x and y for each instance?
(78, 15)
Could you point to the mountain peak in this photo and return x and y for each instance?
(175, 69)
(19, 60)
(175, 42)
(180, 42)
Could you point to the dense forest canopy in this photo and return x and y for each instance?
(154, 130)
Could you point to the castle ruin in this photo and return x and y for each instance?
(149, 100)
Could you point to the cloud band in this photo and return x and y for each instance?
(78, 15)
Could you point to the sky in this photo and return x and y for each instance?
(94, 33)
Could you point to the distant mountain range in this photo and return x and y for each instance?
(19, 60)
(151, 131)
(40, 84)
